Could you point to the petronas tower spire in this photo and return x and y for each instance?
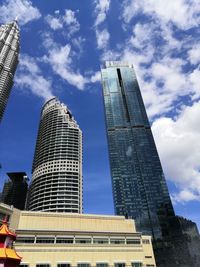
(9, 50)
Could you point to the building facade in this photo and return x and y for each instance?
(57, 166)
(139, 186)
(9, 51)
(15, 190)
(48, 239)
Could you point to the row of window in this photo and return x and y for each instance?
(50, 169)
(56, 178)
(133, 264)
(81, 240)
(69, 140)
(54, 198)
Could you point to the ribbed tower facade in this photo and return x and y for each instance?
(57, 166)
(9, 50)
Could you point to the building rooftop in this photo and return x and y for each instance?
(16, 175)
(117, 64)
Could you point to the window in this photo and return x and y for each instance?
(136, 264)
(100, 240)
(25, 239)
(148, 257)
(83, 240)
(145, 241)
(117, 241)
(45, 240)
(120, 264)
(102, 265)
(63, 265)
(83, 265)
(43, 265)
(64, 240)
(23, 265)
(132, 241)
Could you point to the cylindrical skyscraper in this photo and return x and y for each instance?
(9, 50)
(57, 166)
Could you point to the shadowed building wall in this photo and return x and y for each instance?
(15, 190)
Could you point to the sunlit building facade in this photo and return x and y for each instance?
(9, 51)
(57, 166)
(52, 239)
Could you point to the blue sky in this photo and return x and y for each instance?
(63, 45)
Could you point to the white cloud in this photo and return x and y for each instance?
(69, 17)
(161, 75)
(102, 38)
(183, 14)
(68, 20)
(29, 76)
(185, 196)
(169, 71)
(194, 79)
(170, 83)
(54, 23)
(102, 34)
(60, 59)
(194, 54)
(101, 9)
(109, 55)
(179, 148)
(142, 34)
(60, 55)
(96, 77)
(78, 43)
(23, 9)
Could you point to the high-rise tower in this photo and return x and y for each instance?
(139, 186)
(15, 190)
(57, 166)
(9, 50)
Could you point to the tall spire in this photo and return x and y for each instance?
(9, 51)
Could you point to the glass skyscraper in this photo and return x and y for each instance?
(9, 50)
(15, 190)
(139, 185)
(57, 166)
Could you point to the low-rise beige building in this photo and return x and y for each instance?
(47, 239)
